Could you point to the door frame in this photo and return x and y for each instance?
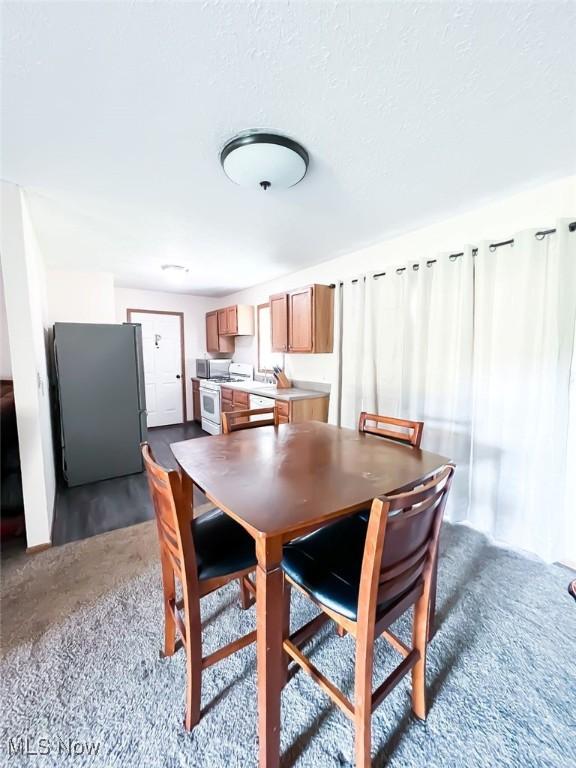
(182, 356)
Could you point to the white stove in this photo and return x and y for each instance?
(210, 395)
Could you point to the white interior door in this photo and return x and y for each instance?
(161, 342)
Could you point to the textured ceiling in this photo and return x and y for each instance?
(114, 115)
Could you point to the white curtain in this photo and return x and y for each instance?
(525, 305)
(479, 348)
(567, 551)
(407, 351)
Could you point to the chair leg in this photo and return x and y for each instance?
(363, 702)
(246, 599)
(169, 633)
(169, 588)
(340, 631)
(419, 642)
(286, 593)
(193, 645)
(193, 691)
(432, 606)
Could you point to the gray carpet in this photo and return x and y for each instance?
(82, 626)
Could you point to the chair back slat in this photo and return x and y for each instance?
(391, 588)
(232, 421)
(420, 499)
(407, 432)
(404, 565)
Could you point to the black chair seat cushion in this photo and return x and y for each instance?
(328, 564)
(222, 545)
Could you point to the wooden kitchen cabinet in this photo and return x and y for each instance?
(237, 320)
(311, 409)
(215, 341)
(226, 402)
(283, 409)
(294, 411)
(234, 400)
(303, 320)
(234, 397)
(197, 413)
(232, 320)
(240, 399)
(279, 322)
(222, 322)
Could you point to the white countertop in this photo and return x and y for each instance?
(270, 390)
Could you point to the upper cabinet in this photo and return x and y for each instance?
(232, 321)
(303, 320)
(279, 322)
(215, 341)
(237, 320)
(223, 324)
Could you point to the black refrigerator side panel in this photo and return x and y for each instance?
(98, 396)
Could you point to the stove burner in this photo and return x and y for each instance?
(219, 379)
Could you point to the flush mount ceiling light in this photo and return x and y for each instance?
(264, 160)
(173, 269)
(174, 273)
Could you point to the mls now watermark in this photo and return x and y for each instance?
(28, 746)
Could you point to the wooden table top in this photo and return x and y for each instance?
(279, 480)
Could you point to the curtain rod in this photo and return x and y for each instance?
(453, 256)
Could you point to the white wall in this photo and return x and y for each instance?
(194, 309)
(5, 361)
(80, 297)
(539, 207)
(26, 308)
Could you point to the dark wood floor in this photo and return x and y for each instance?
(87, 510)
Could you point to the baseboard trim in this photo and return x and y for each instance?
(38, 548)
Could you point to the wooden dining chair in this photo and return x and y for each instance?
(235, 420)
(203, 554)
(364, 575)
(400, 430)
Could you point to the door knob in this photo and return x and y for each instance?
(177, 375)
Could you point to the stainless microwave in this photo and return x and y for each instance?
(207, 369)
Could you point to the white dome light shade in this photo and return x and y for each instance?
(174, 273)
(264, 160)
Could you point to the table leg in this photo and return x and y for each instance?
(269, 619)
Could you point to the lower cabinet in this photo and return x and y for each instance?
(196, 412)
(234, 400)
(311, 409)
(283, 408)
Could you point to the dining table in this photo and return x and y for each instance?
(279, 483)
